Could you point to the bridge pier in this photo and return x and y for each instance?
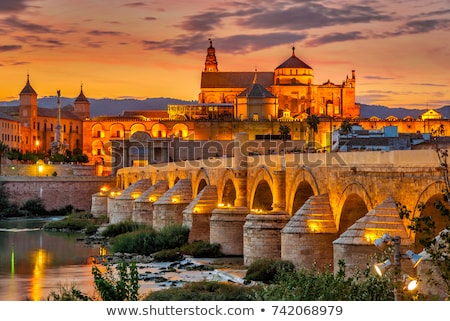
(99, 204)
(307, 240)
(143, 206)
(262, 237)
(122, 206)
(226, 226)
(197, 215)
(168, 209)
(355, 246)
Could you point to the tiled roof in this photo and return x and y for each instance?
(28, 89)
(293, 62)
(256, 90)
(234, 79)
(7, 117)
(53, 112)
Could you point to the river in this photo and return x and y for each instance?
(34, 262)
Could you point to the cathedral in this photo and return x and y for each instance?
(228, 103)
(287, 92)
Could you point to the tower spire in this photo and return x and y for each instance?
(211, 60)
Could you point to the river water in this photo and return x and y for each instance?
(34, 262)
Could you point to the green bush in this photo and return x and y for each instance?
(173, 236)
(113, 230)
(267, 270)
(204, 291)
(123, 287)
(312, 285)
(67, 293)
(202, 249)
(34, 207)
(167, 255)
(141, 242)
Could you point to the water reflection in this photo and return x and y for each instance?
(34, 262)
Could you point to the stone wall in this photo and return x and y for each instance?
(56, 192)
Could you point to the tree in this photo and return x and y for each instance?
(313, 124)
(346, 127)
(435, 243)
(3, 149)
(284, 132)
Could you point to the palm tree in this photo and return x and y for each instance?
(3, 149)
(313, 123)
(346, 127)
(284, 132)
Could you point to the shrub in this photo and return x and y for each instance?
(34, 207)
(312, 285)
(141, 242)
(267, 270)
(125, 287)
(67, 293)
(167, 255)
(173, 236)
(121, 228)
(202, 249)
(204, 291)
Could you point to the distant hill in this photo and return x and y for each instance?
(115, 107)
(109, 107)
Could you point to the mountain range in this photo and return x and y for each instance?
(115, 107)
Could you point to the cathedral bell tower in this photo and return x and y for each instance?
(211, 60)
(28, 111)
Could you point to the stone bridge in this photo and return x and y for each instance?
(309, 208)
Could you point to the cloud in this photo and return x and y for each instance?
(13, 5)
(378, 78)
(16, 23)
(428, 84)
(335, 37)
(105, 33)
(40, 42)
(135, 4)
(150, 18)
(234, 44)
(10, 48)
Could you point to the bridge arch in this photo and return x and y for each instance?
(304, 185)
(355, 202)
(428, 197)
(261, 190)
(199, 182)
(227, 190)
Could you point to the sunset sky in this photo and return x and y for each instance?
(144, 49)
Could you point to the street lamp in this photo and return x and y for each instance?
(409, 283)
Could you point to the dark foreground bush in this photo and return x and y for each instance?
(267, 270)
(142, 241)
(204, 291)
(122, 227)
(167, 255)
(202, 249)
(173, 236)
(312, 285)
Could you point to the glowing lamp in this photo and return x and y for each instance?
(382, 267)
(410, 283)
(383, 241)
(415, 258)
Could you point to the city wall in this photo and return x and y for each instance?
(56, 192)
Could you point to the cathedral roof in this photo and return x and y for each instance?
(293, 62)
(28, 89)
(53, 113)
(81, 97)
(234, 79)
(256, 90)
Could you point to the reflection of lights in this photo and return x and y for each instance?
(12, 261)
(103, 251)
(40, 258)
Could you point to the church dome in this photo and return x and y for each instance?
(294, 62)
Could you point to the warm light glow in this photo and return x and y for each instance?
(222, 205)
(40, 169)
(175, 200)
(382, 267)
(151, 199)
(41, 258)
(313, 226)
(135, 195)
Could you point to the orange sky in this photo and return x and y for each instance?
(144, 49)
